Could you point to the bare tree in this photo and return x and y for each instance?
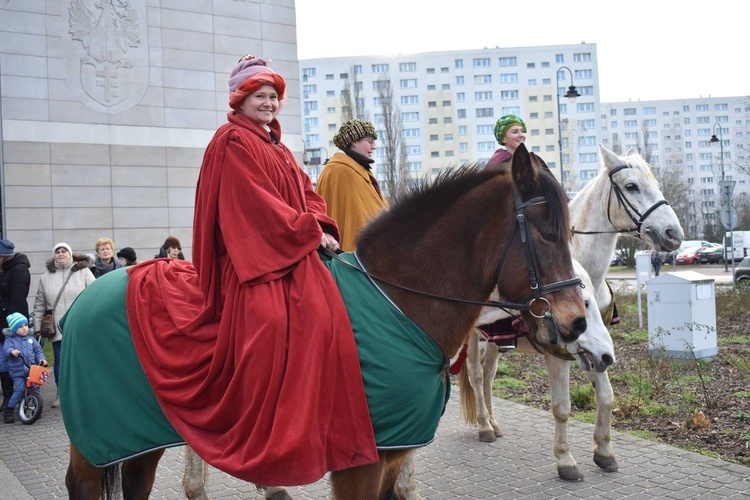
(394, 169)
(352, 99)
(675, 191)
(646, 151)
(616, 146)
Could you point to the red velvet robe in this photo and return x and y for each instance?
(251, 353)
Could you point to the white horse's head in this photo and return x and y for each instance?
(637, 202)
(594, 348)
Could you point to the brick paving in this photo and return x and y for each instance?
(33, 461)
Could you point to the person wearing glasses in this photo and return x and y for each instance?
(348, 184)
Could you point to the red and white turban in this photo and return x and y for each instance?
(248, 76)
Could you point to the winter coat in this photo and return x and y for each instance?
(49, 287)
(99, 269)
(29, 347)
(14, 288)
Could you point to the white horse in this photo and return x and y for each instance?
(624, 198)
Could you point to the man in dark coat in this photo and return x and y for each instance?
(14, 291)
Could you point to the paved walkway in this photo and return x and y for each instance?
(33, 461)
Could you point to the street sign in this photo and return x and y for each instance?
(728, 216)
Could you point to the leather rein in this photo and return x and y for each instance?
(538, 290)
(626, 204)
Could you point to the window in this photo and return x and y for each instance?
(649, 110)
(534, 116)
(432, 104)
(511, 110)
(430, 71)
(584, 107)
(311, 123)
(482, 62)
(586, 90)
(484, 112)
(445, 86)
(463, 146)
(446, 103)
(414, 166)
(410, 133)
(458, 63)
(628, 111)
(509, 94)
(460, 96)
(357, 69)
(533, 98)
(410, 66)
(720, 107)
(413, 150)
(343, 76)
(534, 131)
(559, 58)
(651, 123)
(460, 80)
(583, 73)
(430, 87)
(631, 135)
(377, 101)
(530, 65)
(486, 146)
(410, 83)
(461, 113)
(447, 119)
(508, 61)
(701, 107)
(483, 96)
(485, 129)
(508, 77)
(532, 82)
(309, 73)
(722, 119)
(434, 154)
(703, 119)
(312, 138)
(587, 140)
(433, 137)
(379, 118)
(311, 106)
(410, 117)
(433, 121)
(380, 68)
(482, 79)
(330, 110)
(587, 158)
(380, 84)
(449, 153)
(462, 130)
(409, 99)
(329, 76)
(582, 57)
(309, 89)
(448, 137)
(545, 65)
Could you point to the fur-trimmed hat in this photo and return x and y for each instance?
(171, 241)
(7, 247)
(504, 123)
(16, 321)
(352, 131)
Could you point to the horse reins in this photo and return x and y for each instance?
(532, 267)
(627, 205)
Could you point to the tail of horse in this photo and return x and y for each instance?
(468, 398)
(111, 482)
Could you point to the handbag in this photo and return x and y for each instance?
(47, 328)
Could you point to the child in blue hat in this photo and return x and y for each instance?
(18, 342)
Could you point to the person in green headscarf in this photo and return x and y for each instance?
(510, 131)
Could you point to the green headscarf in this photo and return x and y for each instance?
(504, 123)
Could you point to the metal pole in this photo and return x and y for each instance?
(559, 130)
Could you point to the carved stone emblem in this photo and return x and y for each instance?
(105, 52)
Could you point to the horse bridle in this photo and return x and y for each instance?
(538, 290)
(630, 209)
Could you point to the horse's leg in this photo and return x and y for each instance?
(489, 370)
(472, 396)
(406, 483)
(83, 479)
(369, 482)
(559, 386)
(139, 474)
(195, 475)
(604, 455)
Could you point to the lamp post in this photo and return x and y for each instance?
(724, 186)
(327, 157)
(571, 94)
(305, 154)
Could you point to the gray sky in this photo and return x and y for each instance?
(647, 49)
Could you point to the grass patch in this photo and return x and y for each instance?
(645, 435)
(510, 383)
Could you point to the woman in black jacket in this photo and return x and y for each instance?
(14, 291)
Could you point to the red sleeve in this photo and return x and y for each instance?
(264, 235)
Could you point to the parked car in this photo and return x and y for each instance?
(742, 273)
(711, 255)
(688, 256)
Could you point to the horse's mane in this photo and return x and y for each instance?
(637, 162)
(412, 208)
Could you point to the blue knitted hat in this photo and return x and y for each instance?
(6, 247)
(16, 321)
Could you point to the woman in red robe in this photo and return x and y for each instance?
(251, 354)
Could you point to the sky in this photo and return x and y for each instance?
(647, 49)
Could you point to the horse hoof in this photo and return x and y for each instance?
(487, 436)
(607, 464)
(569, 473)
(279, 495)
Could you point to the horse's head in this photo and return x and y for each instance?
(593, 349)
(540, 245)
(637, 202)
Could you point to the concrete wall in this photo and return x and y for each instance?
(107, 139)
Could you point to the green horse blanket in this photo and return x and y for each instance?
(111, 414)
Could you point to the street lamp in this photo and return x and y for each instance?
(324, 149)
(305, 154)
(571, 94)
(715, 139)
(724, 186)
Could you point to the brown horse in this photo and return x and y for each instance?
(438, 252)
